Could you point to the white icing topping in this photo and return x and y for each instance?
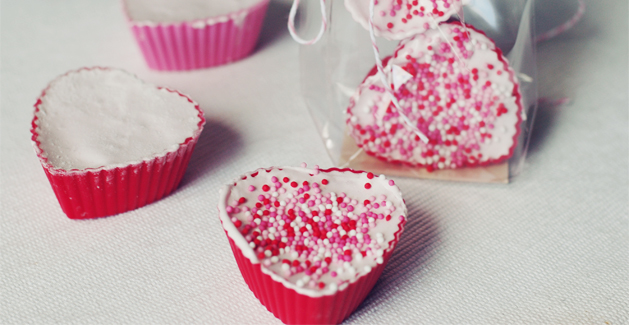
(346, 185)
(94, 118)
(168, 11)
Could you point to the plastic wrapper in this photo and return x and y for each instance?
(333, 68)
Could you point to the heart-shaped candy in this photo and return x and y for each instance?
(110, 143)
(399, 19)
(311, 243)
(462, 95)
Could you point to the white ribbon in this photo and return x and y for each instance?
(383, 78)
(291, 24)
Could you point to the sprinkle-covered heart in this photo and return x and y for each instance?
(462, 95)
(399, 19)
(314, 234)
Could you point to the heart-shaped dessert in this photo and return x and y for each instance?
(110, 142)
(311, 243)
(399, 19)
(465, 99)
(194, 34)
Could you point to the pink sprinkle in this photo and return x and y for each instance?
(229, 209)
(391, 182)
(252, 188)
(333, 274)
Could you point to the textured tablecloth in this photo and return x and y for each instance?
(551, 247)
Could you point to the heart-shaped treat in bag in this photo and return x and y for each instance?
(110, 142)
(399, 19)
(459, 91)
(311, 243)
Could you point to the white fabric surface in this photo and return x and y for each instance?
(551, 247)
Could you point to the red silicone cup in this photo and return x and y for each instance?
(199, 44)
(292, 307)
(100, 192)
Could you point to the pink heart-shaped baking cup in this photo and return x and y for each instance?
(312, 243)
(120, 186)
(199, 43)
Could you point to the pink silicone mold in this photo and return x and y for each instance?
(199, 44)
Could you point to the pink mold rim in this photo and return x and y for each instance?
(201, 43)
(105, 191)
(292, 307)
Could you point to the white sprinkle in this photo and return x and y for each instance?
(333, 286)
(275, 194)
(274, 259)
(285, 267)
(299, 283)
(268, 253)
(367, 268)
(252, 244)
(379, 260)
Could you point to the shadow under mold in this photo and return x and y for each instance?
(414, 251)
(545, 118)
(274, 26)
(216, 145)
